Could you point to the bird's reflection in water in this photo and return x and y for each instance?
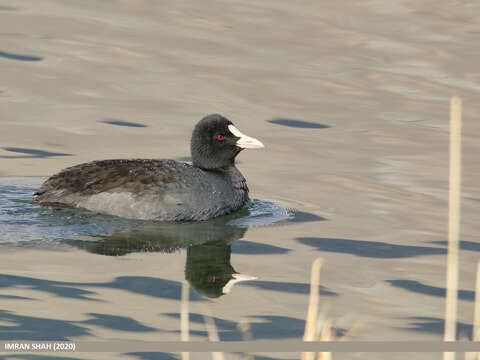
(208, 243)
(208, 268)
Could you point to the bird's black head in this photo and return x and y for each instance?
(216, 142)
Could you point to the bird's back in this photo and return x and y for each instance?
(145, 189)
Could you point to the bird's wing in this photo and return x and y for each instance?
(108, 175)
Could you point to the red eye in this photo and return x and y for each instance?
(220, 137)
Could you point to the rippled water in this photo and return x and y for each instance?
(25, 224)
(351, 102)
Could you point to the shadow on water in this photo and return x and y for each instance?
(34, 328)
(14, 297)
(370, 249)
(115, 322)
(154, 287)
(419, 288)
(143, 285)
(30, 153)
(463, 244)
(298, 124)
(253, 248)
(22, 327)
(436, 326)
(288, 287)
(266, 327)
(122, 123)
(8, 8)
(12, 56)
(51, 287)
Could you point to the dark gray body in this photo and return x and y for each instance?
(150, 189)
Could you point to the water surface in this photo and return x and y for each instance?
(351, 102)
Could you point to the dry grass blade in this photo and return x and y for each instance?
(476, 318)
(244, 327)
(470, 356)
(325, 335)
(312, 314)
(184, 322)
(453, 223)
(476, 315)
(212, 332)
(321, 320)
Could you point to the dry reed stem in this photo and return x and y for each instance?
(321, 318)
(212, 332)
(453, 223)
(312, 314)
(476, 315)
(476, 318)
(470, 356)
(184, 322)
(244, 327)
(325, 335)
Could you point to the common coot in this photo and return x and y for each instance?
(159, 189)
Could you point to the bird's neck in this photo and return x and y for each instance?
(236, 177)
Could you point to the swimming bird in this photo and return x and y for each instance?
(160, 189)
